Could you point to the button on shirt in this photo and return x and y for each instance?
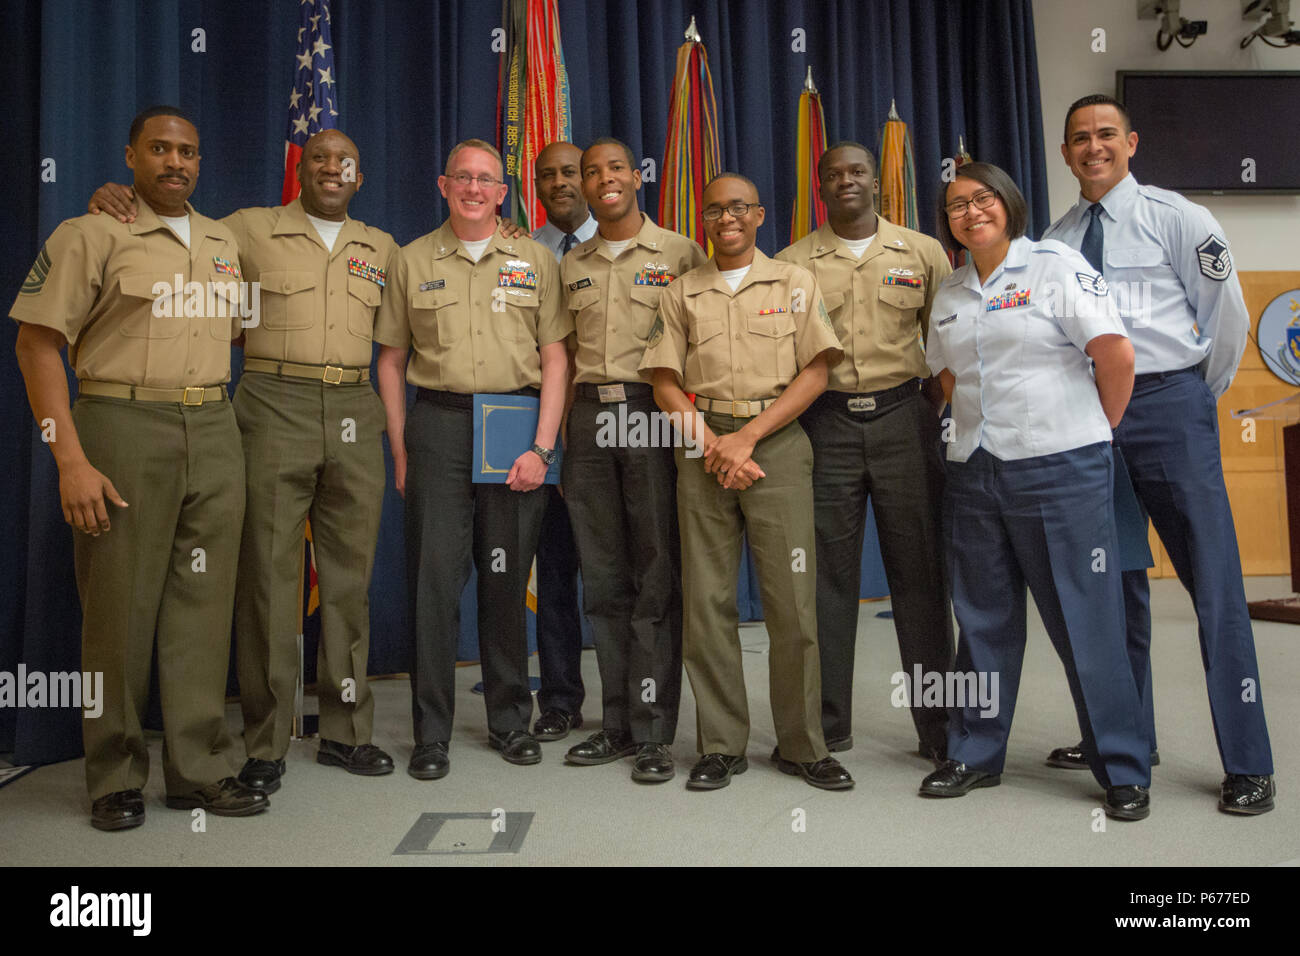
(1016, 347)
(552, 237)
(880, 303)
(135, 305)
(613, 302)
(739, 345)
(1167, 263)
(473, 327)
(317, 307)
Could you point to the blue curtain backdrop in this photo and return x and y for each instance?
(413, 79)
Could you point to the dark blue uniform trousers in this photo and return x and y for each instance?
(1046, 522)
(1170, 439)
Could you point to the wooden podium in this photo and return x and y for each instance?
(1287, 609)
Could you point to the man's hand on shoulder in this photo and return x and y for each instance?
(116, 200)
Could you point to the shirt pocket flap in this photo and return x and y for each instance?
(523, 298)
(833, 300)
(1134, 257)
(365, 290)
(705, 329)
(901, 297)
(774, 325)
(287, 283)
(432, 298)
(647, 294)
(142, 286)
(583, 298)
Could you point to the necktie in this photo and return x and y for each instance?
(570, 240)
(1093, 239)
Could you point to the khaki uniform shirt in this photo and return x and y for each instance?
(613, 301)
(112, 290)
(739, 345)
(880, 304)
(317, 307)
(473, 327)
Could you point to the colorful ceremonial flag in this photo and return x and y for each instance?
(313, 102)
(810, 143)
(691, 154)
(897, 173)
(532, 100)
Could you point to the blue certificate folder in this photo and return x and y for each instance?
(504, 428)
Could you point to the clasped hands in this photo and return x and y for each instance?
(730, 458)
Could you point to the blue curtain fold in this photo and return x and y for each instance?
(413, 79)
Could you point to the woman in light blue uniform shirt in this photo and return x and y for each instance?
(1014, 335)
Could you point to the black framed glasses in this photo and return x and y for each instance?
(981, 200)
(736, 210)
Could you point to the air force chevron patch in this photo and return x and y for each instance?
(1092, 284)
(1214, 260)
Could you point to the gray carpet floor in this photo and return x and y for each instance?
(598, 815)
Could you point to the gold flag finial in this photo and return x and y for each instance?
(808, 84)
(961, 144)
(893, 111)
(692, 32)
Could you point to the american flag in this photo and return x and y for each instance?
(313, 102)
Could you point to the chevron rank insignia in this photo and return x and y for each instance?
(656, 332)
(1093, 284)
(1214, 260)
(40, 271)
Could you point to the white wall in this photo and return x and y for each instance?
(1264, 230)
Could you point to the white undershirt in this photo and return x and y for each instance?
(857, 246)
(476, 248)
(327, 229)
(179, 225)
(616, 248)
(734, 276)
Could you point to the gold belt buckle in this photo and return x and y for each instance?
(337, 380)
(736, 412)
(185, 399)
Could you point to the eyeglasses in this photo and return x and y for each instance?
(737, 210)
(464, 179)
(981, 200)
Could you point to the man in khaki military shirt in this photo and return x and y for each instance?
(147, 311)
(619, 481)
(876, 436)
(312, 430)
(477, 313)
(752, 338)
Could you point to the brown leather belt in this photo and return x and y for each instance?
(329, 374)
(189, 395)
(744, 408)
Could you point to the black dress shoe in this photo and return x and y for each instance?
(118, 811)
(556, 724)
(429, 761)
(225, 798)
(263, 775)
(1250, 795)
(367, 760)
(1068, 758)
(518, 747)
(715, 771)
(604, 746)
(825, 774)
(1128, 803)
(654, 764)
(838, 744)
(955, 779)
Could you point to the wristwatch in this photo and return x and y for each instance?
(547, 455)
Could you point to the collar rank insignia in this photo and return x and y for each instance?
(653, 273)
(359, 267)
(226, 266)
(775, 311)
(1093, 284)
(1008, 300)
(911, 281)
(433, 284)
(582, 283)
(946, 320)
(1214, 260)
(517, 274)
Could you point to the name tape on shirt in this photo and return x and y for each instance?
(226, 266)
(1008, 300)
(653, 273)
(946, 320)
(433, 284)
(582, 283)
(1212, 255)
(517, 274)
(359, 267)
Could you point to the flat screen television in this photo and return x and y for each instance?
(1196, 129)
